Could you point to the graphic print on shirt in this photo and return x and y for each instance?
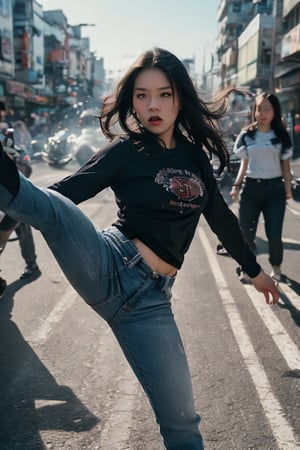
(185, 185)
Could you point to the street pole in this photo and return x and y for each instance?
(277, 7)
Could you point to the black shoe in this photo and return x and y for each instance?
(221, 250)
(3, 285)
(244, 278)
(31, 271)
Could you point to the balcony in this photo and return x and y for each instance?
(290, 43)
(57, 55)
(222, 9)
(288, 5)
(263, 71)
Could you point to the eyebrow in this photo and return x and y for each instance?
(160, 89)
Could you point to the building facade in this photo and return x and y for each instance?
(44, 62)
(258, 48)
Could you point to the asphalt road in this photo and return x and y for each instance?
(64, 383)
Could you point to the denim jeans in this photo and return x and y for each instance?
(266, 197)
(108, 272)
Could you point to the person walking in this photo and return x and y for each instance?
(22, 137)
(26, 243)
(265, 149)
(8, 224)
(159, 171)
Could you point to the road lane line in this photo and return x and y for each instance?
(41, 334)
(116, 432)
(286, 346)
(291, 295)
(282, 432)
(293, 211)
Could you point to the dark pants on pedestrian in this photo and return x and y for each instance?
(26, 243)
(25, 237)
(266, 197)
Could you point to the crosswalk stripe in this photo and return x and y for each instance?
(282, 432)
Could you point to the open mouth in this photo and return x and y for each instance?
(155, 120)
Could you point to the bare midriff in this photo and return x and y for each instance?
(155, 262)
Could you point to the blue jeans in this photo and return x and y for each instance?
(108, 272)
(266, 197)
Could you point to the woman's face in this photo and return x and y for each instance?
(155, 104)
(264, 114)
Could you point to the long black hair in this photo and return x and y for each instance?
(277, 123)
(197, 120)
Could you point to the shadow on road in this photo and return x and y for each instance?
(31, 400)
(262, 246)
(286, 303)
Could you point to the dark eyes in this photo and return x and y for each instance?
(162, 94)
(266, 110)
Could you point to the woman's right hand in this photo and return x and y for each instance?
(235, 193)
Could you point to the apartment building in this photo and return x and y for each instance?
(287, 65)
(44, 61)
(258, 48)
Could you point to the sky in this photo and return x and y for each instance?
(125, 28)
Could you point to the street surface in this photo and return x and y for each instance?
(64, 383)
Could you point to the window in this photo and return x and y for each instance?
(236, 7)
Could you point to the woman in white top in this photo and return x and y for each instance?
(265, 149)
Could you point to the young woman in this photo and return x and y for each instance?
(265, 150)
(162, 179)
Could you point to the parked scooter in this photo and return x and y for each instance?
(58, 151)
(225, 177)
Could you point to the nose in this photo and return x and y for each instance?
(153, 104)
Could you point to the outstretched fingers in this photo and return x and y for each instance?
(265, 284)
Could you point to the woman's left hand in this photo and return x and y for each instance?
(265, 284)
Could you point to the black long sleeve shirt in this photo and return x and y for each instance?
(160, 194)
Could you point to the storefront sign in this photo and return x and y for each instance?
(6, 38)
(20, 89)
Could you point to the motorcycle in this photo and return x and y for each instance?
(90, 137)
(58, 151)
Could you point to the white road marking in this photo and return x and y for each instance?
(286, 346)
(288, 240)
(293, 211)
(41, 334)
(282, 432)
(117, 428)
(291, 295)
